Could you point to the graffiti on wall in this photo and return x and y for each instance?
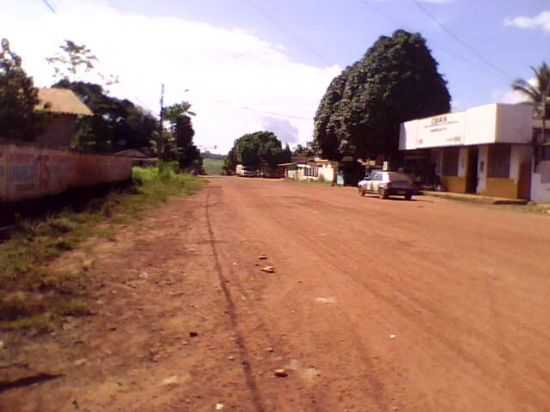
(30, 172)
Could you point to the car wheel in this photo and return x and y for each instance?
(383, 194)
(408, 196)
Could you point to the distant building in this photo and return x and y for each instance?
(64, 108)
(315, 169)
(485, 150)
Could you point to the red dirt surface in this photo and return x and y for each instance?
(375, 305)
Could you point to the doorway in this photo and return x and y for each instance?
(471, 172)
(524, 183)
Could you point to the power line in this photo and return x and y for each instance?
(398, 24)
(268, 113)
(49, 6)
(462, 42)
(278, 25)
(377, 11)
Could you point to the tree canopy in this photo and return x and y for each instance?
(396, 80)
(181, 129)
(535, 92)
(116, 125)
(257, 149)
(18, 98)
(74, 60)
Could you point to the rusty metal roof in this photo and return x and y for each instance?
(62, 101)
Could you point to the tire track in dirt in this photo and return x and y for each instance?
(240, 341)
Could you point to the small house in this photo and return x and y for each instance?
(315, 169)
(64, 108)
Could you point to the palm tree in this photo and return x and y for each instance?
(538, 92)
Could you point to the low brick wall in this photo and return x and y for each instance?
(28, 172)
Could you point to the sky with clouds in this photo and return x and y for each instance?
(260, 64)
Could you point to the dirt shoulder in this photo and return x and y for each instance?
(373, 305)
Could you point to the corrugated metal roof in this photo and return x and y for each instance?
(62, 101)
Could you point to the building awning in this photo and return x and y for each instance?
(61, 101)
(488, 124)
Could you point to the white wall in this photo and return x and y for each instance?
(492, 123)
(481, 125)
(519, 154)
(327, 171)
(514, 123)
(540, 183)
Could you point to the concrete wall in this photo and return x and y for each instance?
(327, 171)
(59, 132)
(508, 187)
(481, 125)
(29, 172)
(499, 187)
(514, 123)
(492, 123)
(540, 183)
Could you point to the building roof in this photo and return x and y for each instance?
(62, 101)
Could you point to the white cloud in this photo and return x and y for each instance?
(234, 77)
(511, 96)
(540, 21)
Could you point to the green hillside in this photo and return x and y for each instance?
(213, 166)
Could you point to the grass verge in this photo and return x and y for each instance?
(34, 297)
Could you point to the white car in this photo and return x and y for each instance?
(386, 184)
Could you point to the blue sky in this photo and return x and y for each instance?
(327, 32)
(252, 64)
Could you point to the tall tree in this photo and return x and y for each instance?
(75, 60)
(116, 125)
(396, 80)
(538, 91)
(18, 98)
(186, 153)
(254, 150)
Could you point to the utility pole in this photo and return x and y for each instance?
(161, 143)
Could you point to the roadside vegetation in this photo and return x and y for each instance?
(35, 297)
(213, 166)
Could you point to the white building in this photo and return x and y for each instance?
(313, 170)
(486, 150)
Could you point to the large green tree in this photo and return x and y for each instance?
(117, 124)
(18, 98)
(395, 81)
(256, 149)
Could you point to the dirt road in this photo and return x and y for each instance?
(374, 305)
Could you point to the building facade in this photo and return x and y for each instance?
(310, 170)
(64, 108)
(486, 150)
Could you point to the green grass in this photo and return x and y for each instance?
(213, 166)
(32, 296)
